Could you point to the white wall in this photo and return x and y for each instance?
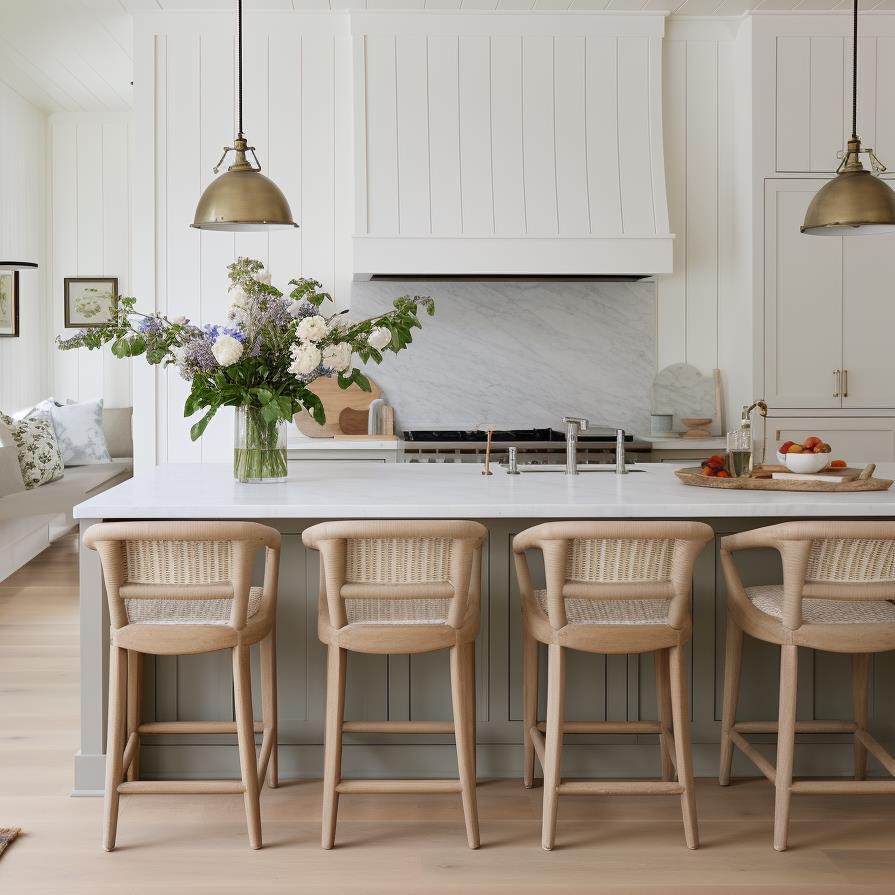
(89, 227)
(299, 114)
(23, 131)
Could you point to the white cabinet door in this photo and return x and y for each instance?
(868, 322)
(857, 440)
(803, 302)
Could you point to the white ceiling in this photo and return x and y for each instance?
(76, 55)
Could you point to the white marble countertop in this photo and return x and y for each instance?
(304, 443)
(321, 490)
(664, 443)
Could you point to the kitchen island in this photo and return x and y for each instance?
(402, 687)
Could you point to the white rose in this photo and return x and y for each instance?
(379, 337)
(226, 350)
(311, 329)
(337, 357)
(306, 359)
(238, 296)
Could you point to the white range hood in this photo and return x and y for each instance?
(497, 144)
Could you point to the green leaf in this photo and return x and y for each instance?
(361, 380)
(198, 428)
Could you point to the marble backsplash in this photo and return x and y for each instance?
(520, 354)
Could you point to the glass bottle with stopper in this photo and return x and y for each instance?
(741, 442)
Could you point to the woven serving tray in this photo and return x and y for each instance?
(760, 480)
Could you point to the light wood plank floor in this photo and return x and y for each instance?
(396, 844)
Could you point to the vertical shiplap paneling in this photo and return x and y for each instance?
(23, 234)
(444, 129)
(569, 95)
(382, 136)
(793, 103)
(638, 211)
(475, 135)
(344, 186)
(116, 385)
(601, 100)
(64, 240)
(217, 249)
(506, 135)
(283, 148)
(702, 204)
(412, 113)
(182, 183)
(89, 232)
(255, 120)
(671, 308)
(827, 84)
(538, 129)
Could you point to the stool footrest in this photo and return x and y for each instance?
(619, 788)
(801, 727)
(843, 787)
(180, 787)
(613, 727)
(398, 727)
(397, 786)
(192, 727)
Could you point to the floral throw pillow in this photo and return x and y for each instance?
(79, 431)
(39, 457)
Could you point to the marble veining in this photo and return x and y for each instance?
(520, 353)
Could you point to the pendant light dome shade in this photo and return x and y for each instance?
(243, 199)
(855, 202)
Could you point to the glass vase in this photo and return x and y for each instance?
(259, 449)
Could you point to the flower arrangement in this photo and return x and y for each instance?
(262, 359)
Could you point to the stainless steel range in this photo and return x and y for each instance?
(595, 445)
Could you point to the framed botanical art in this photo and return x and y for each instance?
(9, 302)
(90, 301)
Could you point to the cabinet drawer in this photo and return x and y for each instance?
(855, 439)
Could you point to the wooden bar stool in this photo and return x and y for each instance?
(612, 587)
(399, 587)
(179, 588)
(838, 584)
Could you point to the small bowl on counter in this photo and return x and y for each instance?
(805, 463)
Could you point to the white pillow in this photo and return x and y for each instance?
(39, 456)
(79, 431)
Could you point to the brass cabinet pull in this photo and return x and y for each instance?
(837, 379)
(845, 383)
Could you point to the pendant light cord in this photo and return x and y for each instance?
(239, 62)
(854, 75)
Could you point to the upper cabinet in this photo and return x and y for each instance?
(497, 144)
(803, 66)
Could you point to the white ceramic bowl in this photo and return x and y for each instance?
(806, 463)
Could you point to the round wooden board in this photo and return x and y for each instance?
(693, 475)
(335, 400)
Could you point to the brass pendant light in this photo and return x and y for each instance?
(242, 198)
(856, 202)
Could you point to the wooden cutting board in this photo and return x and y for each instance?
(335, 400)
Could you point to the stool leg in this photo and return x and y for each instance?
(556, 692)
(245, 732)
(529, 704)
(269, 701)
(677, 668)
(114, 742)
(786, 737)
(463, 697)
(733, 660)
(332, 744)
(860, 687)
(134, 706)
(663, 702)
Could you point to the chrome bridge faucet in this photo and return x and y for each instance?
(574, 425)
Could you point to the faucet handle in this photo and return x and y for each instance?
(579, 421)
